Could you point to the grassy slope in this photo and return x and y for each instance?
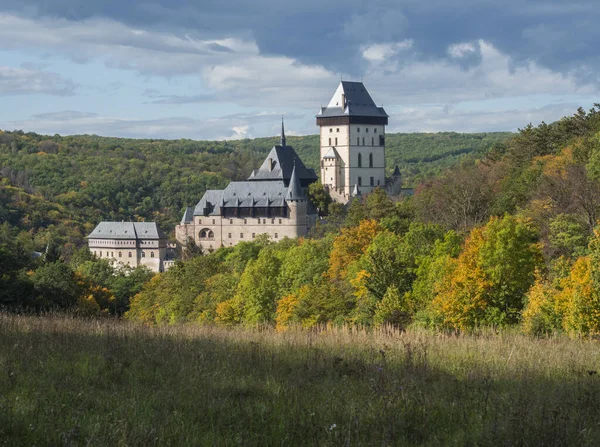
(66, 381)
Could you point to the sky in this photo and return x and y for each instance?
(213, 69)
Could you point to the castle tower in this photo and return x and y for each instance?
(352, 142)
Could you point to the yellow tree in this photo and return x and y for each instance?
(349, 246)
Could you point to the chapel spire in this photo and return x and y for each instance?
(282, 134)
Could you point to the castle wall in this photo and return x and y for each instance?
(230, 231)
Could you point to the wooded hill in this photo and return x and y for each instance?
(68, 184)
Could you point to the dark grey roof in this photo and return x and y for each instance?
(358, 102)
(283, 160)
(242, 194)
(294, 190)
(187, 215)
(127, 230)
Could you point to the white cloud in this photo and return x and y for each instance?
(381, 51)
(29, 80)
(236, 126)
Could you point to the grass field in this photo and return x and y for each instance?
(65, 381)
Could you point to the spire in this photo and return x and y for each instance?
(294, 189)
(282, 134)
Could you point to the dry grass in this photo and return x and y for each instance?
(66, 381)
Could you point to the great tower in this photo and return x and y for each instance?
(352, 140)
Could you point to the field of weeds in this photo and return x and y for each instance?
(66, 381)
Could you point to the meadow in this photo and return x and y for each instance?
(72, 381)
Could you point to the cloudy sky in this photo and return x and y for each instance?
(213, 69)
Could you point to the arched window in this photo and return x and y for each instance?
(371, 160)
(206, 234)
(120, 254)
(130, 254)
(359, 160)
(151, 254)
(143, 254)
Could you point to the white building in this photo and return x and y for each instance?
(130, 243)
(352, 140)
(272, 201)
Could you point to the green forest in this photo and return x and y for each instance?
(61, 187)
(504, 236)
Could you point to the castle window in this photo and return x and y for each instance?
(259, 221)
(330, 141)
(336, 141)
(372, 181)
(143, 254)
(371, 160)
(120, 254)
(363, 141)
(245, 221)
(276, 236)
(375, 130)
(358, 141)
(241, 235)
(229, 235)
(377, 182)
(199, 221)
(230, 221)
(372, 141)
(272, 221)
(130, 254)
(253, 235)
(151, 254)
(107, 254)
(211, 235)
(337, 130)
(213, 221)
(367, 130)
(358, 129)
(359, 181)
(279, 220)
(360, 160)
(330, 129)
(264, 221)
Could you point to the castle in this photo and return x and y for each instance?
(273, 199)
(131, 243)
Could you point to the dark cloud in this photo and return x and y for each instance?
(560, 35)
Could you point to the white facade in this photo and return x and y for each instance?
(120, 243)
(212, 232)
(352, 142)
(361, 157)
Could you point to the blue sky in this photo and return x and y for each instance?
(219, 70)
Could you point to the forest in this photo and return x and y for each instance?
(61, 187)
(507, 237)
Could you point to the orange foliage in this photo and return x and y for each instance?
(285, 312)
(349, 246)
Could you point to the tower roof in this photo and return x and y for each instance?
(294, 189)
(352, 99)
(280, 163)
(282, 134)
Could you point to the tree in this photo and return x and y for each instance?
(392, 310)
(349, 246)
(56, 286)
(319, 197)
(258, 288)
(487, 283)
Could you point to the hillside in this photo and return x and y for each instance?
(91, 178)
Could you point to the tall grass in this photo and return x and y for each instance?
(67, 381)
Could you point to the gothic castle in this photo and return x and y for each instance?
(273, 199)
